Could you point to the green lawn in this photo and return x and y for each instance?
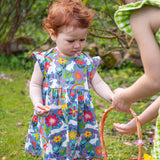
(16, 111)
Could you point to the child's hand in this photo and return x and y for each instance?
(128, 128)
(120, 102)
(41, 110)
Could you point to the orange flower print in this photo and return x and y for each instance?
(35, 119)
(79, 117)
(41, 130)
(98, 151)
(60, 112)
(78, 75)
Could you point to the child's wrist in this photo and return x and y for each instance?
(126, 95)
(36, 104)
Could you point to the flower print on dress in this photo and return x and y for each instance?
(80, 62)
(35, 118)
(88, 116)
(72, 135)
(73, 111)
(87, 134)
(51, 120)
(47, 66)
(70, 130)
(78, 75)
(57, 139)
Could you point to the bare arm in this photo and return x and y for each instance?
(101, 88)
(144, 23)
(143, 29)
(36, 85)
(36, 89)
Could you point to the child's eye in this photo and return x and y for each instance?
(82, 40)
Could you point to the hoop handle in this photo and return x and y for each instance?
(138, 130)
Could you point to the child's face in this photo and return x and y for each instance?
(70, 42)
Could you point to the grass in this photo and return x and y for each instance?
(16, 111)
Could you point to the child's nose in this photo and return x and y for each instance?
(77, 45)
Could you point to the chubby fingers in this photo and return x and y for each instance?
(42, 114)
(41, 110)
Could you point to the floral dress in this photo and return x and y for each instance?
(70, 130)
(122, 19)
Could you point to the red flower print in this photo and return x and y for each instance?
(60, 112)
(98, 151)
(51, 120)
(45, 84)
(45, 146)
(72, 93)
(39, 53)
(73, 111)
(81, 98)
(34, 143)
(35, 119)
(80, 62)
(46, 65)
(79, 117)
(88, 116)
(78, 75)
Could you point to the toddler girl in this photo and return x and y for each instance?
(61, 80)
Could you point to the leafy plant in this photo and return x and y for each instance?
(20, 61)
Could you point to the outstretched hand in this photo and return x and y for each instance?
(128, 128)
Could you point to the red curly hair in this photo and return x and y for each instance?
(67, 13)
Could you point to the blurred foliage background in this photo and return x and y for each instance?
(21, 31)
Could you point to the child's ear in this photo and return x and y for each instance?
(52, 34)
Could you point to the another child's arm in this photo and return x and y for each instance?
(149, 114)
(129, 1)
(101, 88)
(144, 23)
(36, 89)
